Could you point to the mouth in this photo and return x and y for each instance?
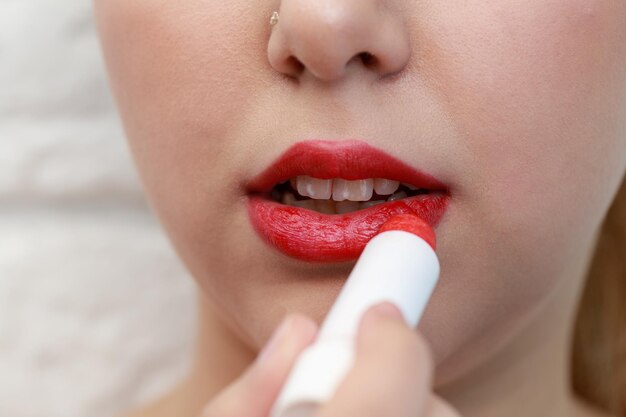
(321, 200)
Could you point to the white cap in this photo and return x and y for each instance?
(395, 266)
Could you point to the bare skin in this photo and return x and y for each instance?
(540, 372)
(520, 106)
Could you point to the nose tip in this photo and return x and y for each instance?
(325, 37)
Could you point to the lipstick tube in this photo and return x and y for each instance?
(399, 265)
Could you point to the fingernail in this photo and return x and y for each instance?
(281, 331)
(388, 310)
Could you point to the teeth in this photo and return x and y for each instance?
(397, 196)
(384, 186)
(307, 204)
(346, 206)
(335, 207)
(314, 187)
(339, 196)
(325, 206)
(340, 189)
(371, 203)
(357, 190)
(288, 199)
(332, 207)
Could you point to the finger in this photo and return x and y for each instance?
(439, 408)
(254, 392)
(392, 372)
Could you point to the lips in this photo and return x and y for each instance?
(316, 237)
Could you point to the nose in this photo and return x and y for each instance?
(325, 37)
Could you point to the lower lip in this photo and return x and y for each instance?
(315, 237)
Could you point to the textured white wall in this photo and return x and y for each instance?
(96, 311)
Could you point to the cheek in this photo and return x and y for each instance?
(538, 88)
(185, 75)
(537, 91)
(182, 73)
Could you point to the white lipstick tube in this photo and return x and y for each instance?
(396, 266)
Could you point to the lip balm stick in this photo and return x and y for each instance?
(399, 264)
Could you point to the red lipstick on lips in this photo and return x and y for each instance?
(316, 237)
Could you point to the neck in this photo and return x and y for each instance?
(221, 356)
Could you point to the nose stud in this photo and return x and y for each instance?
(274, 18)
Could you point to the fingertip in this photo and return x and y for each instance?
(297, 332)
(305, 326)
(387, 309)
(379, 313)
(383, 331)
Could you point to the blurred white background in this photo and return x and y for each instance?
(96, 311)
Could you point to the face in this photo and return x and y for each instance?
(518, 107)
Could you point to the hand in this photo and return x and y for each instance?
(391, 376)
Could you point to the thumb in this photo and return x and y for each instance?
(256, 390)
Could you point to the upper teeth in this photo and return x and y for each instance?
(314, 187)
(340, 189)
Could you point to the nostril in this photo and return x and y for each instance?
(367, 58)
(295, 63)
(291, 67)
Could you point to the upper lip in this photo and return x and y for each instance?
(348, 159)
